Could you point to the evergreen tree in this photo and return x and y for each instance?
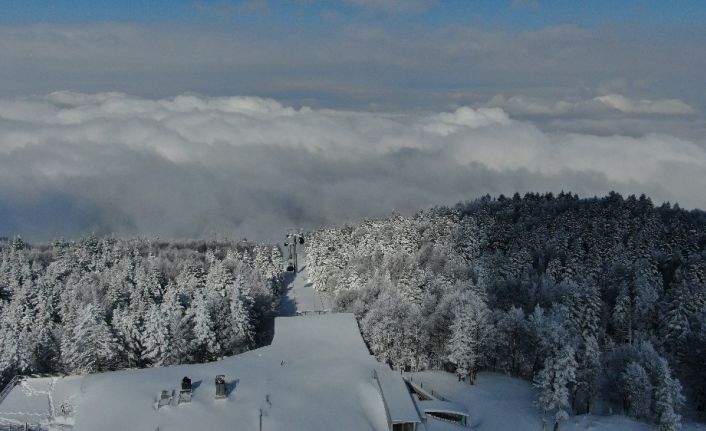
(156, 338)
(89, 346)
(668, 399)
(589, 366)
(469, 336)
(638, 389)
(205, 345)
(553, 382)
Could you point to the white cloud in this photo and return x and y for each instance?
(664, 106)
(194, 165)
(601, 105)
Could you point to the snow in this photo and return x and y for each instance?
(497, 402)
(316, 375)
(442, 407)
(301, 296)
(398, 401)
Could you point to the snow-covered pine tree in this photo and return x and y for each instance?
(179, 324)
(554, 381)
(89, 346)
(668, 399)
(206, 345)
(156, 340)
(589, 366)
(469, 336)
(638, 390)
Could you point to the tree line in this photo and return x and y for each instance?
(95, 305)
(600, 299)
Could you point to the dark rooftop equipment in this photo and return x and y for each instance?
(185, 392)
(220, 386)
(186, 384)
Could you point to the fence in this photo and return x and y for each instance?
(308, 312)
(418, 387)
(6, 390)
(23, 427)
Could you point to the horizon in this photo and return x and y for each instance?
(200, 118)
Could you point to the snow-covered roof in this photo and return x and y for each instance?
(316, 376)
(396, 396)
(438, 406)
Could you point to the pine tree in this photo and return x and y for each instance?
(668, 400)
(241, 331)
(205, 346)
(89, 346)
(638, 390)
(553, 382)
(589, 366)
(179, 325)
(469, 336)
(156, 338)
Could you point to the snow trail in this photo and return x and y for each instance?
(301, 297)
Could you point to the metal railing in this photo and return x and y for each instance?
(21, 427)
(308, 312)
(8, 388)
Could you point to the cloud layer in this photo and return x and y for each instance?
(195, 166)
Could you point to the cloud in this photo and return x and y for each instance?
(665, 106)
(358, 63)
(601, 105)
(195, 166)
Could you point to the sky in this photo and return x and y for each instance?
(189, 119)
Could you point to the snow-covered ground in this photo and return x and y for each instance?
(499, 403)
(301, 296)
(316, 374)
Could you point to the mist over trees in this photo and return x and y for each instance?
(96, 305)
(600, 302)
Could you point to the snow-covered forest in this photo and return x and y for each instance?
(600, 302)
(95, 305)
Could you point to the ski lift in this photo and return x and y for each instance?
(290, 267)
(220, 386)
(301, 239)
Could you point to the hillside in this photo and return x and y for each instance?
(600, 302)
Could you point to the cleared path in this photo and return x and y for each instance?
(301, 297)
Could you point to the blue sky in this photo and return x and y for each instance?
(521, 14)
